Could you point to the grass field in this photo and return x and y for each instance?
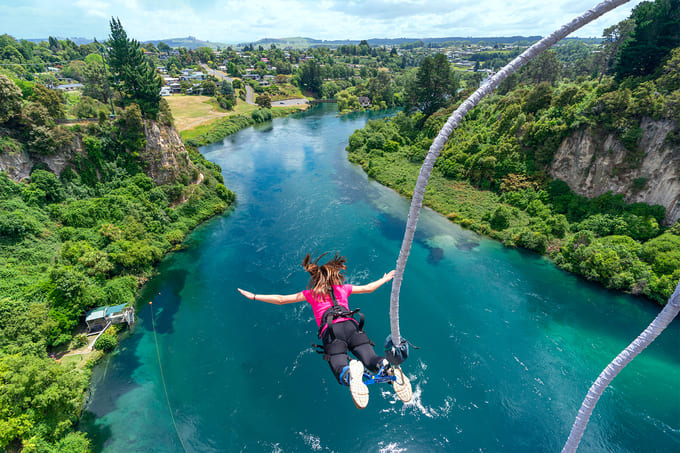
(192, 111)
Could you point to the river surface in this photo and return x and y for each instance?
(509, 344)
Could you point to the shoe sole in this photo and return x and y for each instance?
(357, 387)
(402, 386)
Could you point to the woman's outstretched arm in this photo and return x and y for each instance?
(276, 299)
(369, 288)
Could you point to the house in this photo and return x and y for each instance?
(71, 87)
(99, 318)
(166, 91)
(364, 101)
(252, 76)
(188, 74)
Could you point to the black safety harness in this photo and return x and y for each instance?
(335, 312)
(336, 346)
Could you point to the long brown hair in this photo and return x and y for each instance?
(325, 276)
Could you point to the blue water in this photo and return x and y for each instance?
(508, 343)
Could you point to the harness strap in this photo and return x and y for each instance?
(335, 312)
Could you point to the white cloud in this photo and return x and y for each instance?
(93, 7)
(246, 20)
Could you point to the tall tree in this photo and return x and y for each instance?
(434, 85)
(612, 40)
(545, 68)
(310, 77)
(133, 76)
(656, 33)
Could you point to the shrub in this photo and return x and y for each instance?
(79, 341)
(106, 342)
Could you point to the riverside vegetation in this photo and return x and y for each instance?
(492, 175)
(86, 237)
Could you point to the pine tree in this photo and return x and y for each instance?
(656, 33)
(435, 84)
(134, 77)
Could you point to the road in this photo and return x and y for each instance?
(250, 93)
(219, 74)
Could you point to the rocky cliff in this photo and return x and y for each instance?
(593, 164)
(167, 158)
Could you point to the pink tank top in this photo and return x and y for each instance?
(342, 292)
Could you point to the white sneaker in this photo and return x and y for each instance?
(357, 387)
(402, 385)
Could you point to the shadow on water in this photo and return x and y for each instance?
(166, 294)
(98, 434)
(115, 371)
(264, 127)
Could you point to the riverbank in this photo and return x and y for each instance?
(216, 130)
(522, 218)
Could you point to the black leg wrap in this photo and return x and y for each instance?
(358, 339)
(334, 348)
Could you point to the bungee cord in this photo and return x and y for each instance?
(165, 388)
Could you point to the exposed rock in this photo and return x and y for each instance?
(592, 165)
(19, 165)
(168, 159)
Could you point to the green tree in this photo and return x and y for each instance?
(310, 77)
(545, 68)
(10, 99)
(134, 77)
(95, 81)
(612, 40)
(434, 86)
(52, 100)
(264, 101)
(226, 88)
(655, 35)
(208, 87)
(38, 397)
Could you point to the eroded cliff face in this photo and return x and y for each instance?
(18, 166)
(593, 165)
(167, 158)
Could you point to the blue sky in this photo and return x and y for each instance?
(234, 21)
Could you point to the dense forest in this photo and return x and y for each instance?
(88, 236)
(493, 174)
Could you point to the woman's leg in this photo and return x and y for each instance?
(361, 347)
(335, 348)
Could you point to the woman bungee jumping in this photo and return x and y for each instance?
(338, 330)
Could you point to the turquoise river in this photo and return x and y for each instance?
(509, 344)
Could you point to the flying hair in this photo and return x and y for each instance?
(322, 278)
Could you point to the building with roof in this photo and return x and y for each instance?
(100, 318)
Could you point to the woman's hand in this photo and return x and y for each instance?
(389, 276)
(247, 294)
